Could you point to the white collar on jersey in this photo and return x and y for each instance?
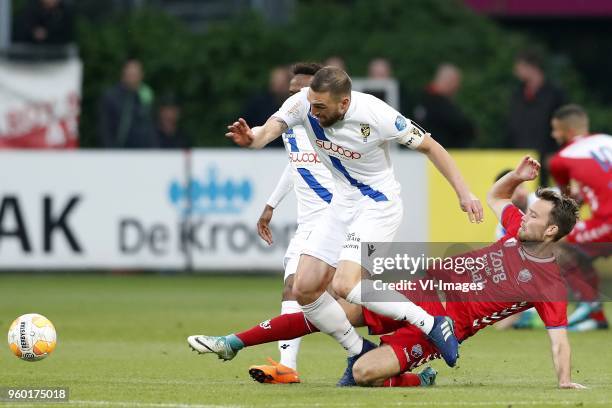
(525, 255)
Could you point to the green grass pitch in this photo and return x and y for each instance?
(121, 343)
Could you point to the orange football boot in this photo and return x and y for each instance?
(275, 373)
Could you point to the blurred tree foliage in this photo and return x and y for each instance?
(214, 72)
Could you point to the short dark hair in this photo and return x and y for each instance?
(570, 111)
(532, 57)
(306, 68)
(564, 213)
(333, 80)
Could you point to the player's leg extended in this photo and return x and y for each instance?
(287, 326)
(381, 368)
(378, 222)
(282, 327)
(439, 329)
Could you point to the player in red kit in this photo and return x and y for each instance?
(583, 168)
(513, 274)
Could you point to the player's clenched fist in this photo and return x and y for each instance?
(528, 169)
(240, 133)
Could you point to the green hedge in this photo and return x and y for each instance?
(213, 72)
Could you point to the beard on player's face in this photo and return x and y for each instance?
(531, 231)
(330, 118)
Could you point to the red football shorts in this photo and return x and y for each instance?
(409, 343)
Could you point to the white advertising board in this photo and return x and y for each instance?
(158, 210)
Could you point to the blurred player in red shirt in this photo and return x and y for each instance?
(583, 169)
(519, 271)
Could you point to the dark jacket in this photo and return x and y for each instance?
(178, 140)
(258, 110)
(529, 118)
(58, 21)
(446, 122)
(125, 120)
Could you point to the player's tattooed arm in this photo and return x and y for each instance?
(255, 138)
(282, 124)
(273, 128)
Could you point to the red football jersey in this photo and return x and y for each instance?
(512, 281)
(588, 160)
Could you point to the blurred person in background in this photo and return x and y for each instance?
(125, 112)
(48, 22)
(169, 133)
(437, 111)
(263, 104)
(381, 68)
(531, 107)
(335, 61)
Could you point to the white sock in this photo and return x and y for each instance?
(329, 317)
(395, 306)
(289, 348)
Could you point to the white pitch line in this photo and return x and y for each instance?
(149, 404)
(353, 404)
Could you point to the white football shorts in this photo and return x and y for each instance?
(347, 223)
(292, 255)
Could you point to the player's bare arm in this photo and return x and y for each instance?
(284, 185)
(448, 168)
(257, 137)
(500, 194)
(561, 355)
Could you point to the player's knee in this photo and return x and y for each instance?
(340, 286)
(304, 294)
(363, 375)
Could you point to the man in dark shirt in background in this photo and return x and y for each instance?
(438, 113)
(125, 117)
(531, 107)
(48, 22)
(262, 105)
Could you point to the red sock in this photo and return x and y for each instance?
(403, 380)
(284, 327)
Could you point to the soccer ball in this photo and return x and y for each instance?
(32, 337)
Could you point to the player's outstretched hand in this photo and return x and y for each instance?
(572, 386)
(472, 206)
(528, 169)
(263, 224)
(240, 133)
